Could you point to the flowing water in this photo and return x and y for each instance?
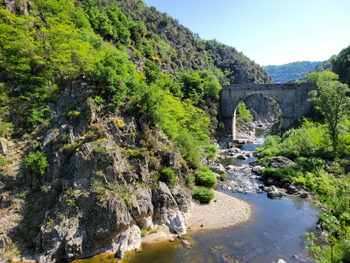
(275, 230)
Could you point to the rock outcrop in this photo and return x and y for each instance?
(280, 162)
(99, 190)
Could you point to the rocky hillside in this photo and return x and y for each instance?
(107, 108)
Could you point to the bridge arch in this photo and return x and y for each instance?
(235, 111)
(291, 97)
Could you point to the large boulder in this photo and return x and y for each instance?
(273, 193)
(217, 168)
(142, 207)
(280, 162)
(292, 190)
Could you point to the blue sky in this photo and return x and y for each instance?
(270, 32)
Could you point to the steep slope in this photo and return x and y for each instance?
(105, 114)
(237, 68)
(294, 70)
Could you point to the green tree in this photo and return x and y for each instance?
(331, 100)
(36, 164)
(243, 113)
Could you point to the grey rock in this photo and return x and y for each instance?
(217, 168)
(234, 150)
(254, 163)
(186, 243)
(3, 148)
(270, 181)
(280, 162)
(230, 167)
(242, 157)
(286, 185)
(258, 170)
(274, 194)
(217, 176)
(292, 190)
(304, 195)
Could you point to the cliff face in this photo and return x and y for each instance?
(262, 108)
(99, 190)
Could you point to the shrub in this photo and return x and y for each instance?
(223, 177)
(68, 149)
(98, 129)
(154, 230)
(8, 186)
(100, 150)
(126, 200)
(203, 194)
(35, 116)
(143, 232)
(2, 161)
(98, 100)
(286, 174)
(167, 176)
(189, 181)
(5, 128)
(36, 164)
(206, 178)
(210, 150)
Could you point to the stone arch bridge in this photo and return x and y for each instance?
(291, 97)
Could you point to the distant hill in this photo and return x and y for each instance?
(294, 70)
(327, 65)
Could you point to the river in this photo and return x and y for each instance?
(275, 231)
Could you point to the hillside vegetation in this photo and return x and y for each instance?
(105, 106)
(320, 150)
(294, 70)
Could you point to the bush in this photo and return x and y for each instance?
(210, 150)
(312, 164)
(126, 200)
(36, 164)
(8, 187)
(203, 194)
(98, 100)
(5, 128)
(143, 232)
(206, 178)
(223, 177)
(167, 176)
(189, 181)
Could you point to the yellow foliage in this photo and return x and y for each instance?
(120, 123)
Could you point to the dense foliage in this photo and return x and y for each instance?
(233, 65)
(203, 194)
(320, 156)
(206, 177)
(341, 65)
(294, 70)
(60, 42)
